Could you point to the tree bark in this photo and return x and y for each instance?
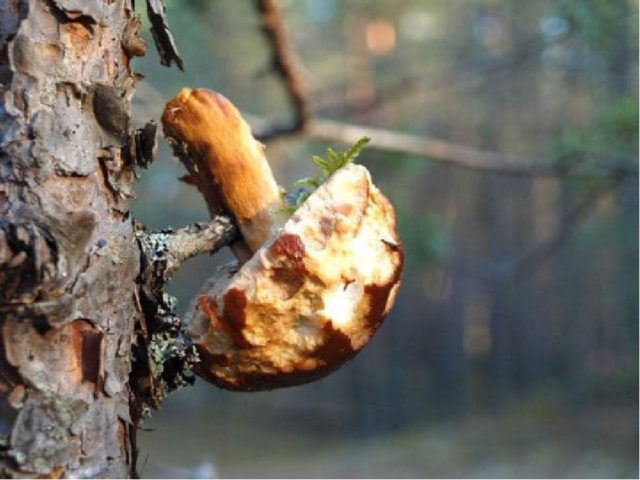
(69, 259)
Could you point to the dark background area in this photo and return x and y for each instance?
(513, 347)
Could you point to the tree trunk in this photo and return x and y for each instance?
(69, 259)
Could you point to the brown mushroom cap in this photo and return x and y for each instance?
(308, 299)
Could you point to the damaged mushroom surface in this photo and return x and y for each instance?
(311, 289)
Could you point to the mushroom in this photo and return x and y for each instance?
(229, 166)
(315, 288)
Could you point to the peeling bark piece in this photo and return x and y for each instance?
(132, 43)
(146, 144)
(167, 49)
(308, 299)
(64, 361)
(91, 355)
(16, 397)
(28, 261)
(111, 111)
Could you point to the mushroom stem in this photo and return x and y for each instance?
(225, 163)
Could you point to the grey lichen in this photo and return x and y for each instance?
(43, 434)
(170, 354)
(164, 357)
(165, 349)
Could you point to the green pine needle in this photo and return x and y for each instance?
(321, 163)
(333, 162)
(308, 182)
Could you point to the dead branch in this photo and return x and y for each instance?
(285, 65)
(453, 154)
(167, 250)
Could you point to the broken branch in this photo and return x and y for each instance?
(165, 251)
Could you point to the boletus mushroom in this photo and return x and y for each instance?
(311, 289)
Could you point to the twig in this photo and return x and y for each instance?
(167, 250)
(454, 154)
(284, 64)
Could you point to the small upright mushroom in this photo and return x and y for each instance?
(314, 289)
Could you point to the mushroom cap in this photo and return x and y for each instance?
(309, 298)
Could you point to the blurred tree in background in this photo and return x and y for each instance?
(519, 306)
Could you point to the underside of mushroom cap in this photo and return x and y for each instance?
(309, 298)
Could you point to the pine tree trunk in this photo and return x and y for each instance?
(68, 253)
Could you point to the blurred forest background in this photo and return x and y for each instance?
(513, 347)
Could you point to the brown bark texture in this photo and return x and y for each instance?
(71, 296)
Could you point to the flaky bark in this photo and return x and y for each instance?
(73, 298)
